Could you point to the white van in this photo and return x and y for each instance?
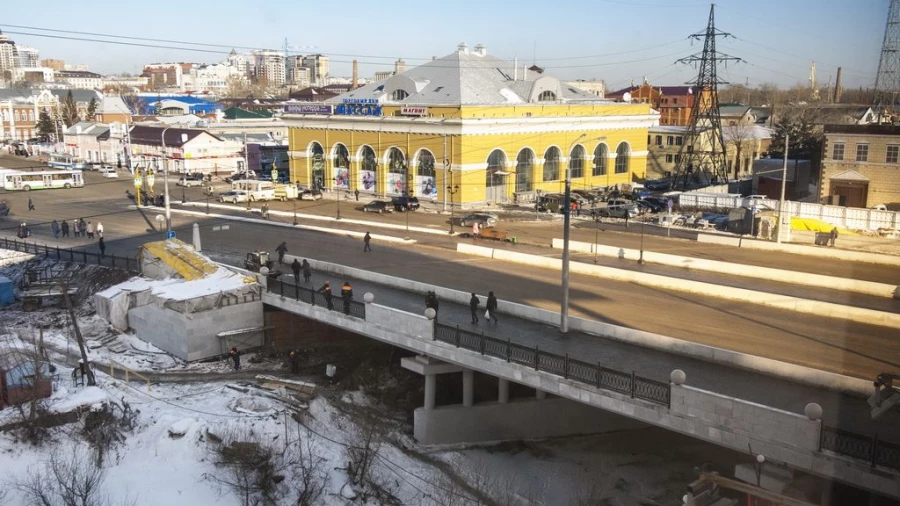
(256, 190)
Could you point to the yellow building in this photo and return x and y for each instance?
(470, 129)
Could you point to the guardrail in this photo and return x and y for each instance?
(869, 449)
(72, 255)
(113, 365)
(657, 392)
(316, 298)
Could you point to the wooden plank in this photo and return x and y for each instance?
(753, 490)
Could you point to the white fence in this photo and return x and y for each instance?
(844, 217)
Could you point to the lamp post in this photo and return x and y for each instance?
(338, 198)
(596, 234)
(451, 190)
(564, 308)
(166, 182)
(294, 204)
(781, 213)
(641, 259)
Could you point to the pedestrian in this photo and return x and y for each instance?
(366, 240)
(295, 362)
(476, 229)
(834, 234)
(626, 218)
(281, 250)
(295, 266)
(431, 301)
(473, 307)
(99, 229)
(307, 271)
(236, 357)
(356, 194)
(65, 228)
(347, 295)
(326, 291)
(30, 204)
(54, 227)
(491, 306)
(75, 228)
(90, 230)
(82, 227)
(102, 245)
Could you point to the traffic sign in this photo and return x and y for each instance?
(170, 234)
(275, 175)
(137, 181)
(150, 179)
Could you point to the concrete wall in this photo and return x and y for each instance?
(813, 307)
(515, 420)
(750, 271)
(799, 249)
(194, 336)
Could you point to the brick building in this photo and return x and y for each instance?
(674, 103)
(861, 165)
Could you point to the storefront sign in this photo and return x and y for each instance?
(413, 111)
(359, 107)
(308, 109)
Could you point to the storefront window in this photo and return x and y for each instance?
(551, 164)
(601, 154)
(368, 172)
(496, 163)
(524, 166)
(576, 162)
(426, 181)
(341, 164)
(397, 172)
(317, 165)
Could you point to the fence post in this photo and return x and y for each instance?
(71, 255)
(57, 253)
(84, 252)
(281, 288)
(508, 348)
(296, 292)
(537, 359)
(312, 297)
(457, 336)
(632, 384)
(598, 374)
(875, 450)
(482, 342)
(566, 375)
(821, 434)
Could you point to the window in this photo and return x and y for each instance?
(546, 96)
(669, 158)
(576, 162)
(551, 164)
(670, 140)
(659, 140)
(426, 164)
(398, 95)
(16, 114)
(524, 166)
(678, 141)
(601, 154)
(862, 152)
(893, 153)
(317, 164)
(496, 163)
(837, 152)
(439, 88)
(622, 153)
(675, 100)
(677, 158)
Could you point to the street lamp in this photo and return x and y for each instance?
(452, 190)
(338, 198)
(781, 213)
(294, 203)
(166, 182)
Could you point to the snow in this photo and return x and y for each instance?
(222, 280)
(87, 396)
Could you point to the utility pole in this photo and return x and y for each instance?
(887, 80)
(781, 214)
(84, 358)
(446, 172)
(567, 212)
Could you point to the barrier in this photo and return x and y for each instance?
(113, 365)
(799, 249)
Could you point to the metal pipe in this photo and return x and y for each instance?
(781, 213)
(166, 183)
(564, 308)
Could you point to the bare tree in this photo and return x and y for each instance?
(31, 404)
(739, 137)
(362, 450)
(252, 468)
(64, 480)
(311, 478)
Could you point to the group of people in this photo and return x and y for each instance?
(346, 295)
(79, 228)
(490, 312)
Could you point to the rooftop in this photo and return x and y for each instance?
(863, 129)
(152, 136)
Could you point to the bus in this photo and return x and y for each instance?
(256, 190)
(68, 162)
(42, 180)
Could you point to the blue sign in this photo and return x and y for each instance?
(170, 234)
(359, 107)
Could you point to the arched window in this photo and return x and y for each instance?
(601, 154)
(426, 164)
(397, 172)
(399, 95)
(368, 172)
(496, 163)
(551, 164)
(524, 166)
(622, 153)
(546, 96)
(426, 179)
(317, 165)
(576, 162)
(340, 163)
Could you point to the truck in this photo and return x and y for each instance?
(256, 190)
(285, 191)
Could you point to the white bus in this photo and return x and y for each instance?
(68, 162)
(42, 180)
(256, 190)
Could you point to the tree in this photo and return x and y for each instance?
(69, 110)
(739, 136)
(46, 126)
(92, 110)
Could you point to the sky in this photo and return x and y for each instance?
(618, 41)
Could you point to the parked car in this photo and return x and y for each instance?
(378, 206)
(189, 180)
(237, 176)
(233, 196)
(405, 203)
(617, 208)
(483, 220)
(310, 195)
(108, 172)
(650, 206)
(658, 185)
(550, 203)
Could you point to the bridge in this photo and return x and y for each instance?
(805, 427)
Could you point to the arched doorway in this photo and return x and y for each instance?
(316, 156)
(340, 163)
(397, 172)
(495, 177)
(524, 168)
(426, 179)
(368, 170)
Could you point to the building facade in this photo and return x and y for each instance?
(20, 109)
(467, 129)
(7, 54)
(861, 165)
(80, 80)
(53, 63)
(185, 150)
(743, 145)
(319, 66)
(164, 75)
(268, 67)
(594, 87)
(27, 56)
(674, 103)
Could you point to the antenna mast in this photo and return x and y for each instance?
(702, 155)
(887, 81)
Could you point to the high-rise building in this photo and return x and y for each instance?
(162, 75)
(319, 66)
(269, 66)
(7, 54)
(26, 56)
(399, 66)
(241, 62)
(54, 64)
(297, 73)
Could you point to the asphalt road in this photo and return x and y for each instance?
(827, 343)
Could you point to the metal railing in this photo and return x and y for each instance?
(657, 392)
(869, 449)
(72, 255)
(316, 298)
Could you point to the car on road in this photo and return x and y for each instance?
(233, 196)
(310, 195)
(108, 172)
(238, 176)
(189, 180)
(650, 206)
(658, 185)
(616, 208)
(405, 203)
(483, 220)
(378, 206)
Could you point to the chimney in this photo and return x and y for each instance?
(463, 48)
(480, 50)
(837, 87)
(355, 82)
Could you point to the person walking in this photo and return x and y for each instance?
(82, 227)
(102, 245)
(90, 230)
(295, 266)
(75, 230)
(431, 301)
(99, 229)
(834, 234)
(476, 229)
(281, 250)
(366, 240)
(307, 271)
(236, 357)
(30, 204)
(295, 362)
(347, 295)
(356, 194)
(473, 307)
(54, 227)
(326, 291)
(65, 228)
(491, 306)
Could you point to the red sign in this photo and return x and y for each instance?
(413, 111)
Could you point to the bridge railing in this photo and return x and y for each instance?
(316, 298)
(79, 256)
(869, 449)
(596, 375)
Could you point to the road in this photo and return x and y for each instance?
(817, 341)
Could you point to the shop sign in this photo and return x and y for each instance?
(413, 111)
(308, 109)
(359, 107)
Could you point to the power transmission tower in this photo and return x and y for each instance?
(887, 81)
(702, 155)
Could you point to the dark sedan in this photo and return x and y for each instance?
(483, 220)
(378, 206)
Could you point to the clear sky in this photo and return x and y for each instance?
(614, 40)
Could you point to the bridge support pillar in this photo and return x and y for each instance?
(502, 391)
(430, 387)
(468, 377)
(540, 394)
